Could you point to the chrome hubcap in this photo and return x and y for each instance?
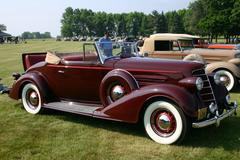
(225, 80)
(33, 99)
(117, 92)
(163, 123)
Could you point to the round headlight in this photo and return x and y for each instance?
(199, 84)
(217, 78)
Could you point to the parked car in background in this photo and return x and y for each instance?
(225, 46)
(83, 39)
(89, 39)
(75, 39)
(67, 39)
(225, 63)
(130, 39)
(168, 96)
(58, 39)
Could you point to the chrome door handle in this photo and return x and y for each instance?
(61, 71)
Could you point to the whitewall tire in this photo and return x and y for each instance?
(227, 79)
(31, 98)
(165, 123)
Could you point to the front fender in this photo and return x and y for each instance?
(235, 61)
(128, 108)
(31, 77)
(223, 65)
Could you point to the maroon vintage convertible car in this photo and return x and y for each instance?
(110, 81)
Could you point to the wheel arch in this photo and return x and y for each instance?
(223, 68)
(116, 75)
(35, 78)
(153, 99)
(232, 68)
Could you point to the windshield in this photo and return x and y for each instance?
(109, 50)
(186, 44)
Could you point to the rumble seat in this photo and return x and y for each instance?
(31, 59)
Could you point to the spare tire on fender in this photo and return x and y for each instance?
(194, 58)
(116, 84)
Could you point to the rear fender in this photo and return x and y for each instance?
(129, 107)
(212, 67)
(31, 77)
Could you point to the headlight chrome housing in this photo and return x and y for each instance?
(199, 83)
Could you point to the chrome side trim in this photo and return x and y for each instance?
(217, 119)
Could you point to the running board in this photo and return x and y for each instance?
(72, 107)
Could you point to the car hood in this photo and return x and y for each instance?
(158, 65)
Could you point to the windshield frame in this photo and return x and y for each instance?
(103, 58)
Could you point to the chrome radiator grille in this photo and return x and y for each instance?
(206, 93)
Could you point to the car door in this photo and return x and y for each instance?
(77, 79)
(166, 49)
(83, 81)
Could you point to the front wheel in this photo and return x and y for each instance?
(31, 98)
(165, 123)
(227, 79)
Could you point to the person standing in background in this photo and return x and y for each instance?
(106, 44)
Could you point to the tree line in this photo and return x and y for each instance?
(36, 35)
(84, 22)
(208, 18)
(213, 18)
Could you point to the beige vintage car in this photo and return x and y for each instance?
(225, 63)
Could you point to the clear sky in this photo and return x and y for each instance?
(45, 15)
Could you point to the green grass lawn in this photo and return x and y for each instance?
(58, 135)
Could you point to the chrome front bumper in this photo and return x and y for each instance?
(217, 119)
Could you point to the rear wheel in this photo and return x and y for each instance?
(227, 79)
(31, 98)
(165, 123)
